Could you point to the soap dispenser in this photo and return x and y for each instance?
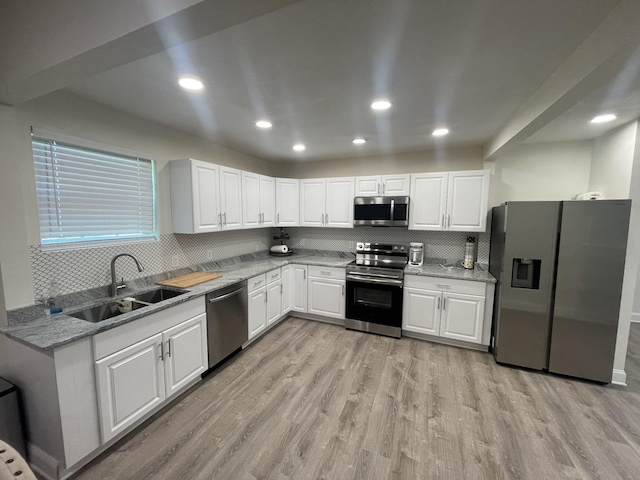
(54, 298)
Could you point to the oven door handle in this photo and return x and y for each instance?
(390, 282)
(369, 275)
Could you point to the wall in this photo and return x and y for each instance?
(612, 162)
(406, 162)
(72, 115)
(540, 171)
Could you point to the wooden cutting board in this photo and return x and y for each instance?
(190, 279)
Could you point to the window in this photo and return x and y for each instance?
(89, 195)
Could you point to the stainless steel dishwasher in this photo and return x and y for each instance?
(227, 321)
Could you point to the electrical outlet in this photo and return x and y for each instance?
(209, 254)
(175, 260)
(350, 244)
(302, 242)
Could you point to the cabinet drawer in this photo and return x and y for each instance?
(256, 282)
(327, 272)
(273, 275)
(446, 285)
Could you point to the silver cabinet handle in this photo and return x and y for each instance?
(169, 347)
(220, 219)
(326, 217)
(384, 186)
(444, 224)
(266, 294)
(444, 303)
(224, 216)
(449, 223)
(280, 289)
(441, 285)
(262, 217)
(378, 189)
(304, 274)
(438, 303)
(278, 218)
(325, 273)
(161, 351)
(275, 275)
(343, 290)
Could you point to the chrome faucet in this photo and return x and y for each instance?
(115, 286)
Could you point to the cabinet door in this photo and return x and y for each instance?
(462, 317)
(368, 186)
(250, 200)
(312, 195)
(206, 203)
(428, 205)
(421, 311)
(396, 185)
(467, 201)
(339, 206)
(130, 384)
(274, 302)
(287, 284)
(185, 353)
(268, 201)
(231, 198)
(257, 312)
(299, 293)
(287, 202)
(326, 297)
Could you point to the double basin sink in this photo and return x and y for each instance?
(109, 310)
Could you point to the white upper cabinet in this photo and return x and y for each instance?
(195, 202)
(453, 201)
(268, 201)
(287, 202)
(327, 202)
(388, 185)
(339, 203)
(259, 197)
(467, 201)
(428, 204)
(231, 198)
(312, 202)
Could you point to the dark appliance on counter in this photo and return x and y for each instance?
(227, 321)
(381, 212)
(374, 289)
(559, 267)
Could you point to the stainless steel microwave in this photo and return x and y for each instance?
(381, 212)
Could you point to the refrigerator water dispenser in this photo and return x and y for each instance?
(526, 273)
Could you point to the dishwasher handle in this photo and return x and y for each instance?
(222, 297)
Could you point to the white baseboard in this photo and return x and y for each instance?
(619, 377)
(42, 463)
(635, 317)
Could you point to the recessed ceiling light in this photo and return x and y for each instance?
(381, 104)
(607, 117)
(299, 147)
(263, 124)
(439, 132)
(190, 83)
(359, 141)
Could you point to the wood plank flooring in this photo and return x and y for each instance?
(314, 401)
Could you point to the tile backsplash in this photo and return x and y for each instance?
(86, 268)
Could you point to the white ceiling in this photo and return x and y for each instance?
(313, 69)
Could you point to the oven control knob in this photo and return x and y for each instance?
(367, 246)
(359, 246)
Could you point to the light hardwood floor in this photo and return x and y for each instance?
(314, 401)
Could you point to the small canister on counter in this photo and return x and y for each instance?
(469, 253)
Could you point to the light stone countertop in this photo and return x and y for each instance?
(49, 332)
(434, 268)
(46, 333)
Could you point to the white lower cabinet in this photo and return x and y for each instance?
(265, 295)
(299, 289)
(452, 309)
(287, 285)
(257, 312)
(133, 381)
(326, 292)
(274, 301)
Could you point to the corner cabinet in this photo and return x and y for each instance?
(142, 364)
(327, 202)
(449, 308)
(204, 197)
(449, 201)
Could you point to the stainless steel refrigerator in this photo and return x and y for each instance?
(559, 267)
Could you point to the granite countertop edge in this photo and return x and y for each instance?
(47, 333)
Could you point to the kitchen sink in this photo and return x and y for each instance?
(110, 310)
(103, 312)
(158, 295)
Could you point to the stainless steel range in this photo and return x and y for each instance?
(374, 289)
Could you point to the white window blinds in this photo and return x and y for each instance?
(87, 195)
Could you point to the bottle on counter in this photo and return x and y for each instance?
(54, 298)
(469, 253)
